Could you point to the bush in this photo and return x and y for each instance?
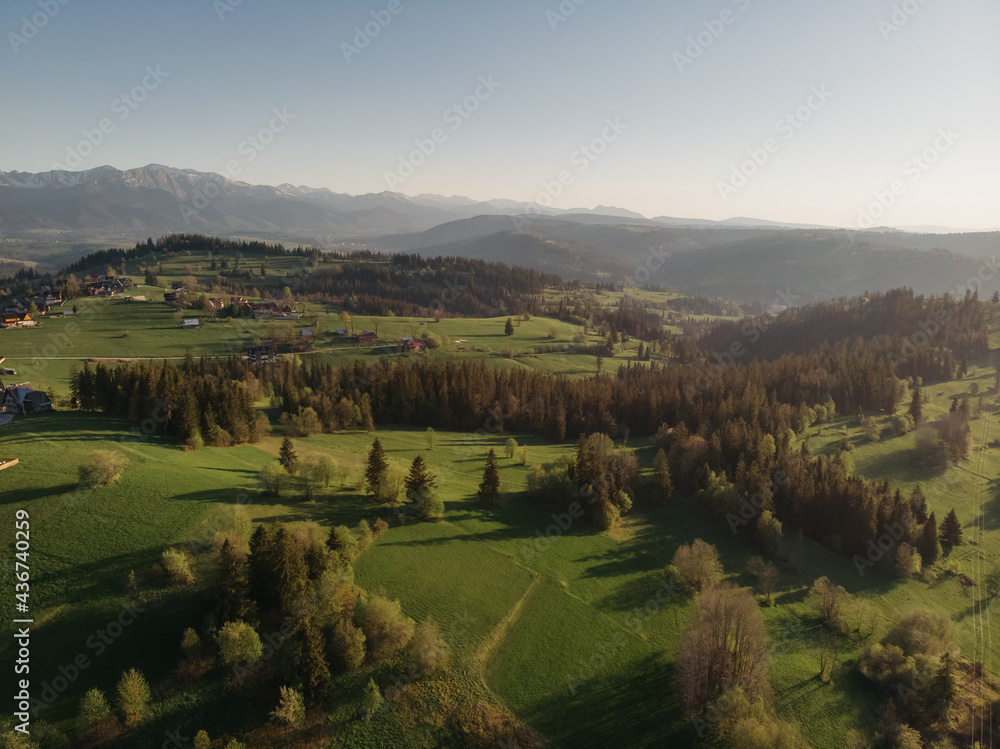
(271, 478)
(190, 643)
(102, 468)
(177, 567)
(380, 527)
(291, 710)
(829, 601)
(385, 627)
(428, 652)
(364, 535)
(923, 632)
(238, 643)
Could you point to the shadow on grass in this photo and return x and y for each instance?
(604, 710)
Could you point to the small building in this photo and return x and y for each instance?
(341, 331)
(306, 332)
(24, 400)
(412, 344)
(265, 353)
(191, 322)
(367, 337)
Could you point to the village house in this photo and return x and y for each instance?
(16, 320)
(412, 344)
(367, 337)
(22, 398)
(265, 353)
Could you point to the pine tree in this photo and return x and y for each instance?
(918, 503)
(951, 529)
(661, 474)
(313, 667)
(372, 699)
(287, 457)
(928, 544)
(916, 407)
(232, 603)
(419, 484)
(508, 329)
(292, 576)
(375, 472)
(94, 710)
(133, 697)
(489, 489)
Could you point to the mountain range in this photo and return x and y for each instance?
(739, 258)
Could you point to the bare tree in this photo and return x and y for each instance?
(699, 564)
(829, 600)
(725, 645)
(829, 657)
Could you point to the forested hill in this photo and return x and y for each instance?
(369, 283)
(916, 329)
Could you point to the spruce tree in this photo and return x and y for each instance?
(372, 699)
(419, 484)
(375, 471)
(661, 474)
(951, 529)
(918, 502)
(287, 457)
(94, 710)
(916, 407)
(928, 544)
(508, 329)
(489, 489)
(232, 603)
(313, 667)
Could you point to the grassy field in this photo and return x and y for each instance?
(575, 631)
(45, 355)
(576, 634)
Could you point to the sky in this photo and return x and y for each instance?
(855, 113)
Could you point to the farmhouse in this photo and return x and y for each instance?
(367, 337)
(16, 320)
(22, 399)
(412, 344)
(265, 353)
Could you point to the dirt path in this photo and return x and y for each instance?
(500, 631)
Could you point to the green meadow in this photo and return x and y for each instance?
(574, 631)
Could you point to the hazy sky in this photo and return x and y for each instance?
(792, 110)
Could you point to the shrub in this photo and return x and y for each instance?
(428, 652)
(385, 627)
(291, 710)
(190, 643)
(102, 468)
(177, 567)
(380, 527)
(364, 535)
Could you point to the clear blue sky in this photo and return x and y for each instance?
(686, 130)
